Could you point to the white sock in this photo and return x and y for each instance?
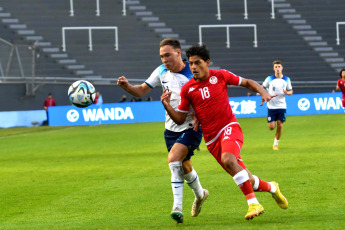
(192, 179)
(177, 183)
(276, 142)
(273, 187)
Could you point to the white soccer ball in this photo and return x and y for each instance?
(81, 94)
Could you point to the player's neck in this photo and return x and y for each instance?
(179, 67)
(279, 75)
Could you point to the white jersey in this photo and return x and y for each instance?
(275, 86)
(173, 82)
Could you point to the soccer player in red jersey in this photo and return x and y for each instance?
(207, 93)
(341, 85)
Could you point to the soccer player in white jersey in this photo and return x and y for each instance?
(181, 140)
(280, 85)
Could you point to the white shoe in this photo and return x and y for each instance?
(197, 204)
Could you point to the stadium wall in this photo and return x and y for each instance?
(153, 111)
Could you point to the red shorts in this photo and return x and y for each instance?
(230, 141)
(343, 101)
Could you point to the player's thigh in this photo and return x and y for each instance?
(232, 141)
(281, 115)
(191, 139)
(271, 118)
(178, 152)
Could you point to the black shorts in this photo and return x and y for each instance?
(189, 138)
(276, 114)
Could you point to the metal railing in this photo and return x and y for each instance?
(71, 11)
(219, 16)
(227, 26)
(13, 49)
(89, 28)
(337, 28)
(98, 11)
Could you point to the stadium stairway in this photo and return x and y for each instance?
(136, 41)
(276, 38)
(309, 34)
(20, 34)
(322, 17)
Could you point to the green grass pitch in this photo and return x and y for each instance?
(117, 177)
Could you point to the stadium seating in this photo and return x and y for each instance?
(293, 36)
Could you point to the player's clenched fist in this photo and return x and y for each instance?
(122, 82)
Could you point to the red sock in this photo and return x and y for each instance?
(263, 185)
(242, 180)
(247, 190)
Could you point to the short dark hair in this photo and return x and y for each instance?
(200, 51)
(341, 71)
(277, 62)
(170, 42)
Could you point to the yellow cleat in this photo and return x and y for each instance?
(275, 147)
(253, 211)
(279, 198)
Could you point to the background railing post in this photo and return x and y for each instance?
(245, 10)
(124, 8)
(228, 37)
(90, 39)
(63, 39)
(71, 11)
(272, 14)
(200, 35)
(116, 39)
(218, 11)
(98, 12)
(337, 27)
(255, 37)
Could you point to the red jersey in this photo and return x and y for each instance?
(341, 85)
(210, 101)
(49, 102)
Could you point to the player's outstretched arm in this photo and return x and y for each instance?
(135, 90)
(178, 117)
(254, 86)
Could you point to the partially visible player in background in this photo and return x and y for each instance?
(341, 86)
(98, 99)
(207, 93)
(181, 140)
(280, 85)
(49, 101)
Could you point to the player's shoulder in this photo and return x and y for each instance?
(286, 78)
(270, 78)
(161, 69)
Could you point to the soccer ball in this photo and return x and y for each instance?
(81, 94)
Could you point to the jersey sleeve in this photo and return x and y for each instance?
(231, 78)
(154, 78)
(184, 102)
(266, 83)
(288, 86)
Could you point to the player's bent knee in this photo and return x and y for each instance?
(229, 160)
